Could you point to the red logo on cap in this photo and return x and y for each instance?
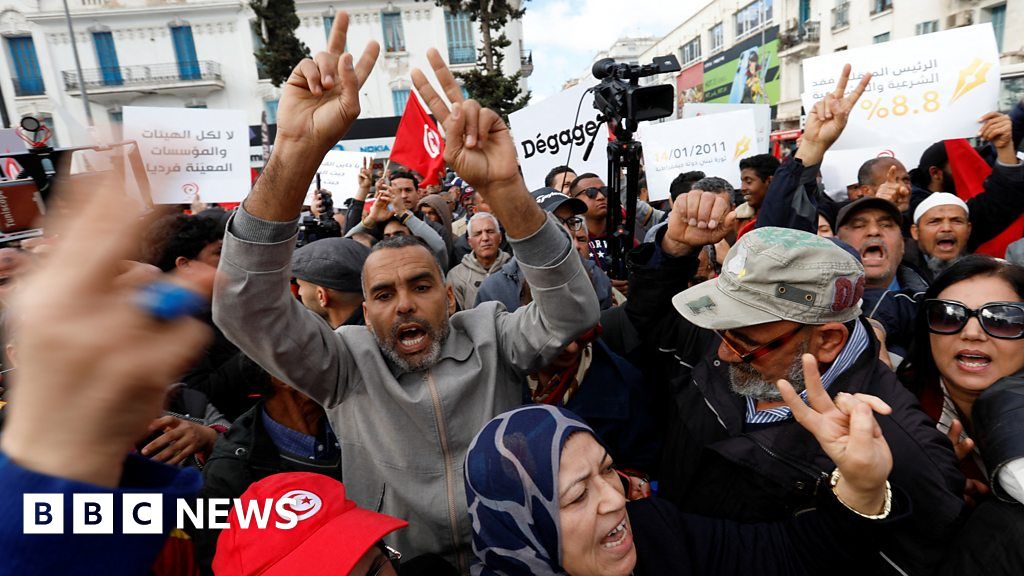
(303, 502)
(846, 294)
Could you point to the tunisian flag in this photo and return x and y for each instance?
(969, 173)
(418, 144)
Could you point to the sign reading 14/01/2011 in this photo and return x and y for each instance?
(691, 151)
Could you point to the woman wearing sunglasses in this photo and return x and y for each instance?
(971, 334)
(545, 499)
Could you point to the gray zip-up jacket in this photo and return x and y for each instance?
(404, 436)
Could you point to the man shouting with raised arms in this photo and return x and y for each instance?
(407, 392)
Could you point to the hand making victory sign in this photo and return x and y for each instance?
(318, 105)
(828, 118)
(479, 147)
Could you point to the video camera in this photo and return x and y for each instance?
(620, 98)
(324, 225)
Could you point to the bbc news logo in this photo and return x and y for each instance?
(95, 513)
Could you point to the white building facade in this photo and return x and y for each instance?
(726, 39)
(199, 53)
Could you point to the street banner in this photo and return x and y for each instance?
(545, 131)
(689, 87)
(339, 175)
(839, 168)
(712, 144)
(925, 88)
(762, 119)
(192, 151)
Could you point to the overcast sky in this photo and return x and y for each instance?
(566, 34)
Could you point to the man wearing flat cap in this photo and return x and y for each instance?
(733, 449)
(328, 273)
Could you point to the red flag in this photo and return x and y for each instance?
(969, 173)
(418, 144)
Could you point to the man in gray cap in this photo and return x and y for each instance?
(732, 448)
(328, 273)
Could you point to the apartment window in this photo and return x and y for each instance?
(185, 53)
(926, 27)
(841, 15)
(878, 6)
(394, 38)
(461, 45)
(997, 15)
(271, 107)
(257, 45)
(106, 56)
(328, 24)
(399, 98)
(805, 11)
(717, 37)
(752, 16)
(690, 51)
(116, 120)
(28, 80)
(881, 38)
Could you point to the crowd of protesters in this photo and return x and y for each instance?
(464, 379)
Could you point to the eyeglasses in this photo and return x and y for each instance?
(762, 350)
(593, 192)
(574, 223)
(1004, 320)
(388, 556)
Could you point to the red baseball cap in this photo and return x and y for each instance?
(330, 537)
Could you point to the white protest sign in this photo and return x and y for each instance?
(189, 151)
(762, 119)
(713, 144)
(545, 131)
(931, 87)
(839, 168)
(339, 175)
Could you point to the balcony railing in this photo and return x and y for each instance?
(805, 33)
(841, 16)
(144, 75)
(526, 63)
(461, 54)
(31, 86)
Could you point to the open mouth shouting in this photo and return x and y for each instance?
(618, 540)
(946, 245)
(973, 361)
(411, 338)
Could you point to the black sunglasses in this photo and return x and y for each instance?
(574, 223)
(593, 192)
(1004, 320)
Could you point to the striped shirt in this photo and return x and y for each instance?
(857, 344)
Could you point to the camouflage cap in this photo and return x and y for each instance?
(776, 274)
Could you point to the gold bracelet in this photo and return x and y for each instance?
(365, 225)
(834, 481)
(405, 216)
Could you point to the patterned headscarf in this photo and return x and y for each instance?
(512, 490)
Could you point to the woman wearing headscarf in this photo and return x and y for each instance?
(545, 499)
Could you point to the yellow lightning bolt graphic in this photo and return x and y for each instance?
(978, 70)
(742, 146)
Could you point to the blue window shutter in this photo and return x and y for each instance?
(394, 37)
(399, 98)
(271, 107)
(26, 66)
(461, 45)
(106, 55)
(185, 53)
(999, 24)
(328, 24)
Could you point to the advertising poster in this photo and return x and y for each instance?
(689, 87)
(747, 73)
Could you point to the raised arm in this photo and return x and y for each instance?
(254, 306)
(480, 149)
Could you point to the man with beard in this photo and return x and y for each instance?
(407, 392)
(733, 449)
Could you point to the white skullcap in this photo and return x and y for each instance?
(939, 199)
